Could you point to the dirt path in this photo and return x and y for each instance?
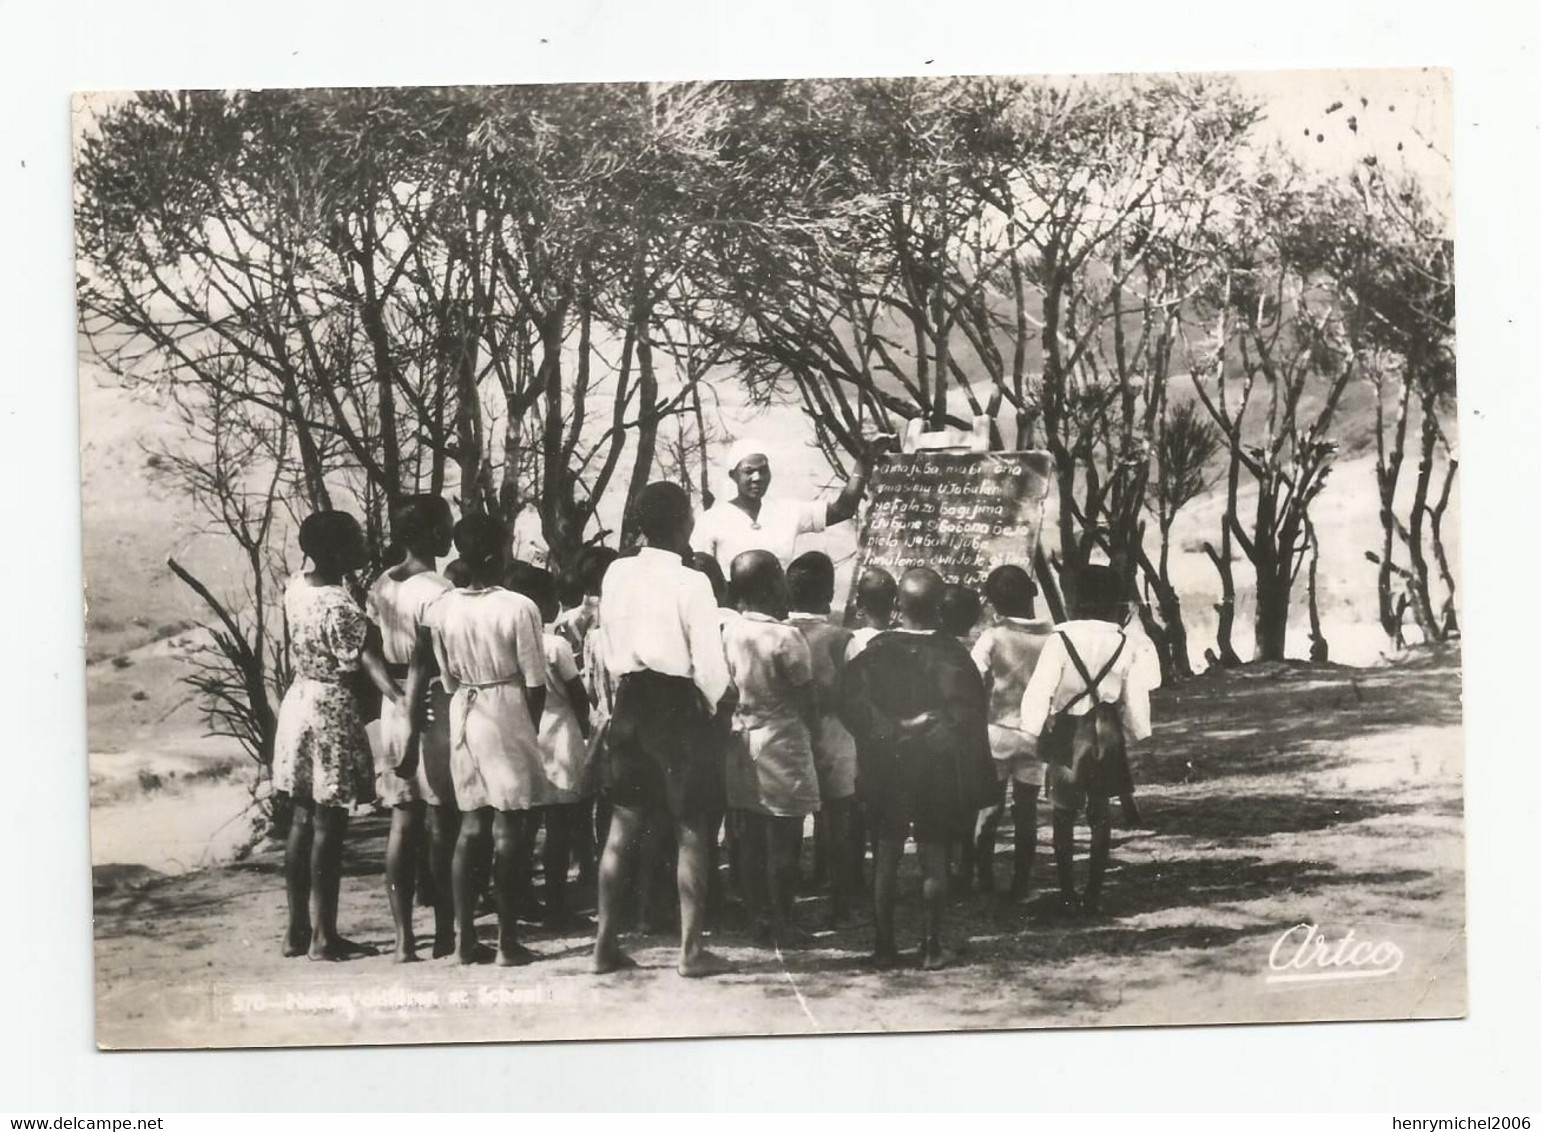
(1271, 798)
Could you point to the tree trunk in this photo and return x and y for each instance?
(1048, 585)
(1319, 649)
(1173, 634)
(647, 426)
(1222, 561)
(1273, 606)
(1423, 607)
(1449, 626)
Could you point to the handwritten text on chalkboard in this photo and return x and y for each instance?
(960, 513)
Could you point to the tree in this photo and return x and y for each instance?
(1290, 341)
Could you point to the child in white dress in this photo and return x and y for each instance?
(492, 661)
(418, 785)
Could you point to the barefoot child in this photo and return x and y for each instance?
(1088, 697)
(960, 610)
(661, 642)
(564, 730)
(492, 660)
(321, 758)
(810, 589)
(1006, 655)
(419, 781)
(915, 704)
(772, 785)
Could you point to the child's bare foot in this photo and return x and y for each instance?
(443, 945)
(703, 965)
(471, 953)
(790, 937)
(296, 942)
(338, 950)
(937, 957)
(406, 951)
(515, 955)
(612, 959)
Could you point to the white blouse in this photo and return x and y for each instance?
(726, 531)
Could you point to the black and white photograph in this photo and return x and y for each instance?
(770, 557)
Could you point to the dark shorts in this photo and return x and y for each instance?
(898, 815)
(1064, 794)
(661, 750)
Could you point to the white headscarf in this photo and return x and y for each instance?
(741, 450)
(744, 448)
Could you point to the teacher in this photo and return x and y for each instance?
(749, 521)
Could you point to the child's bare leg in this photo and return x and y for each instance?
(857, 835)
(837, 827)
(297, 852)
(443, 828)
(1098, 817)
(885, 891)
(715, 895)
(753, 859)
(1064, 852)
(783, 839)
(471, 851)
(584, 847)
(647, 873)
(527, 829)
(556, 857)
(986, 824)
(401, 874)
(1024, 844)
(625, 830)
(426, 895)
(821, 858)
(933, 888)
(331, 823)
(960, 852)
(692, 835)
(510, 872)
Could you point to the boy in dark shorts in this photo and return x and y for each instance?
(1085, 664)
(662, 645)
(915, 703)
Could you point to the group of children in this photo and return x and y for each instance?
(647, 706)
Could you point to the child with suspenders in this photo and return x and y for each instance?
(1088, 698)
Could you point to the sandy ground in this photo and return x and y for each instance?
(1272, 797)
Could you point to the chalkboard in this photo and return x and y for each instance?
(960, 513)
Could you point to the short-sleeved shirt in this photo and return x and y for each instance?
(768, 662)
(488, 636)
(1005, 655)
(400, 607)
(771, 766)
(726, 531)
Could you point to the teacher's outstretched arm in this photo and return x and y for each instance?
(844, 505)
